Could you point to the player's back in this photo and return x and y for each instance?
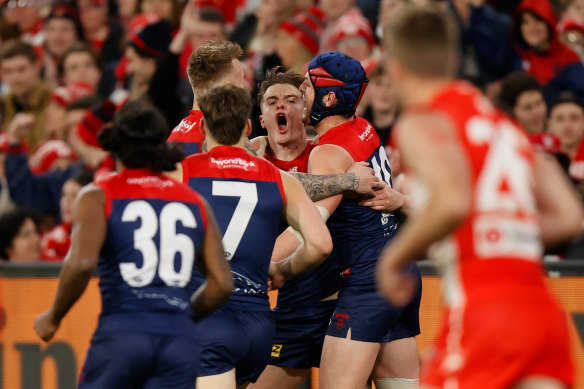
(188, 133)
(497, 246)
(155, 226)
(247, 196)
(359, 233)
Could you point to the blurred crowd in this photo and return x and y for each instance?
(67, 66)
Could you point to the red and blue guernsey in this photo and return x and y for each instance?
(187, 132)
(155, 227)
(247, 196)
(360, 233)
(311, 287)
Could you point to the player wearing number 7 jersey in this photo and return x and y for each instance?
(485, 202)
(249, 196)
(149, 232)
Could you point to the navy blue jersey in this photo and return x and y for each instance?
(155, 228)
(247, 197)
(311, 287)
(359, 233)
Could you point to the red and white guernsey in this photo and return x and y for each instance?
(501, 323)
(187, 132)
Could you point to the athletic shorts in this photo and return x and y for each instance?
(494, 343)
(371, 318)
(231, 338)
(300, 335)
(140, 360)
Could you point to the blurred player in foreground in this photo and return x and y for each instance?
(249, 196)
(486, 202)
(148, 232)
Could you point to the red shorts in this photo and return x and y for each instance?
(496, 342)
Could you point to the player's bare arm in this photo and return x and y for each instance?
(303, 216)
(559, 210)
(212, 263)
(88, 234)
(436, 159)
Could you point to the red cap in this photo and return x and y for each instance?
(140, 21)
(306, 27)
(353, 25)
(44, 157)
(570, 24)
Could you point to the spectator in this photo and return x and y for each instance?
(572, 10)
(28, 94)
(62, 28)
(62, 97)
(566, 121)
(333, 10)
(105, 35)
(353, 35)
(521, 97)
(80, 63)
(20, 239)
(55, 243)
(165, 9)
(27, 17)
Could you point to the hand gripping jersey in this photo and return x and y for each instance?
(155, 228)
(188, 133)
(360, 233)
(247, 195)
(502, 325)
(317, 284)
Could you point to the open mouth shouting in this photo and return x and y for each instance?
(282, 121)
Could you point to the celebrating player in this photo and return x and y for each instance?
(249, 196)
(485, 204)
(150, 231)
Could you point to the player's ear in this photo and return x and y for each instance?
(248, 127)
(262, 121)
(202, 128)
(329, 99)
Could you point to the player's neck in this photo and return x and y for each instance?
(288, 151)
(212, 143)
(421, 90)
(196, 105)
(330, 122)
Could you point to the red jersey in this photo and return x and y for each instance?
(492, 276)
(298, 164)
(577, 164)
(188, 133)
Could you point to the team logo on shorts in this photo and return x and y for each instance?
(276, 350)
(340, 320)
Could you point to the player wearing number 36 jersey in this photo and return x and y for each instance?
(485, 202)
(150, 232)
(249, 196)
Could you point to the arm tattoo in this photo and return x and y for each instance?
(321, 187)
(250, 149)
(204, 146)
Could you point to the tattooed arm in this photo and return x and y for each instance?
(358, 179)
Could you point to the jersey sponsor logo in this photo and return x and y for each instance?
(293, 169)
(235, 163)
(184, 126)
(367, 134)
(150, 182)
(276, 349)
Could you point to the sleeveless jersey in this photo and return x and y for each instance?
(187, 132)
(155, 228)
(315, 285)
(496, 250)
(247, 196)
(360, 233)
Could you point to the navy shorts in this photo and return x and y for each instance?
(300, 334)
(371, 318)
(140, 360)
(231, 338)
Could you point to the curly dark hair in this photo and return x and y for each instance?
(10, 225)
(137, 138)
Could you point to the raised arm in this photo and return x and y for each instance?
(88, 234)
(303, 216)
(218, 285)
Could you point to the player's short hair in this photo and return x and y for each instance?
(138, 138)
(210, 62)
(15, 48)
(424, 40)
(277, 76)
(226, 110)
